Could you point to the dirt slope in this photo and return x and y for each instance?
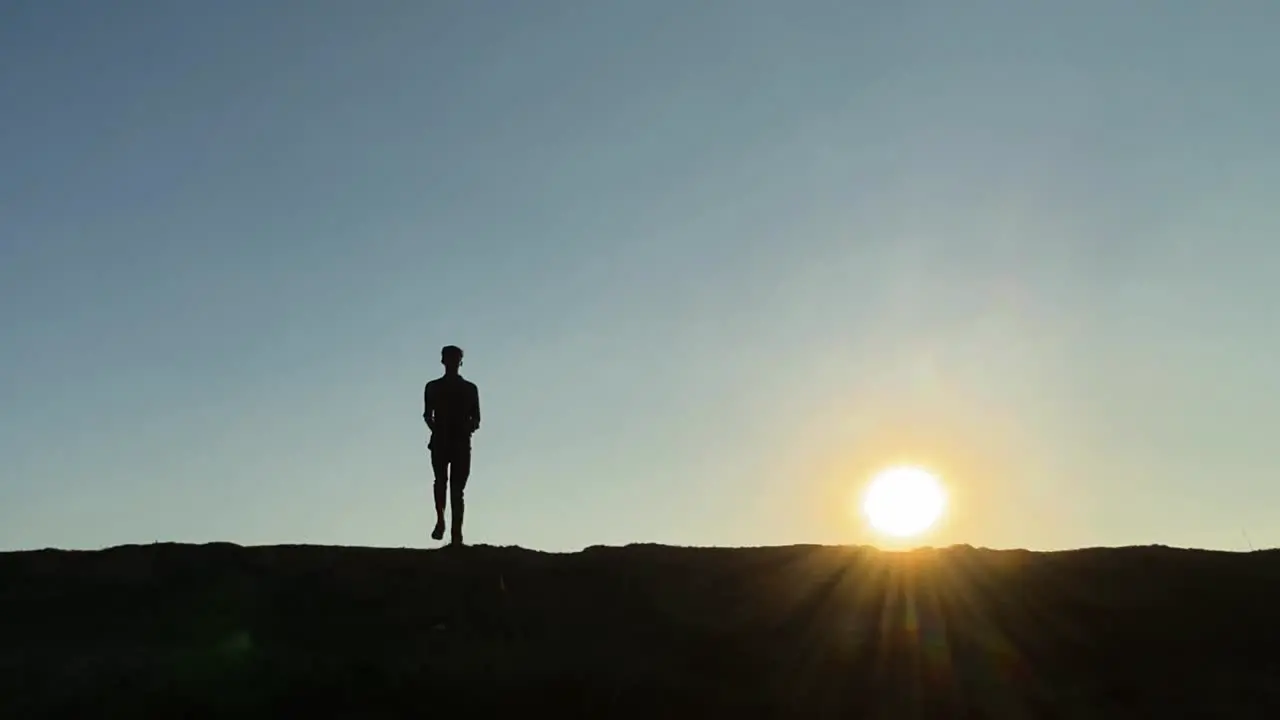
(640, 631)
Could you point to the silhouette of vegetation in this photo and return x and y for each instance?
(640, 631)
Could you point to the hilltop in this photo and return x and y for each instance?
(221, 630)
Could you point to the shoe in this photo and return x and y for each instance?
(438, 533)
(456, 540)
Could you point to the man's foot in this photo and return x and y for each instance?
(456, 539)
(438, 533)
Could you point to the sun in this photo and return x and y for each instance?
(903, 501)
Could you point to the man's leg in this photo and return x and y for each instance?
(440, 467)
(461, 470)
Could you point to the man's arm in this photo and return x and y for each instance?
(427, 413)
(475, 408)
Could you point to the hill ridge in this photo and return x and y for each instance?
(638, 629)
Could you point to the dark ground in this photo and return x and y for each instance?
(218, 630)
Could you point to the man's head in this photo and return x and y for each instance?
(451, 357)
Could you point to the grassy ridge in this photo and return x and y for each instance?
(220, 630)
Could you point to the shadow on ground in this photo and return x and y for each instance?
(640, 631)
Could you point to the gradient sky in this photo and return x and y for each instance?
(712, 263)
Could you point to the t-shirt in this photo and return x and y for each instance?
(452, 404)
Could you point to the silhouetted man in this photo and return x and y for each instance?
(451, 407)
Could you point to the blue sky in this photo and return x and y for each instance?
(712, 263)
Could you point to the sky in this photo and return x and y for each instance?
(713, 264)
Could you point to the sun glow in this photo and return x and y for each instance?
(903, 501)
